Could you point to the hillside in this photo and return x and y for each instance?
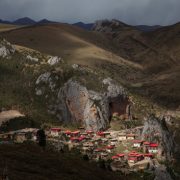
(29, 161)
(138, 60)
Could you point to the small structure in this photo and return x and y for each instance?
(122, 137)
(67, 133)
(130, 136)
(75, 133)
(121, 156)
(109, 148)
(137, 143)
(113, 142)
(115, 158)
(145, 146)
(148, 156)
(100, 133)
(54, 132)
(153, 148)
(20, 137)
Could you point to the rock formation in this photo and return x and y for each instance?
(6, 49)
(74, 103)
(156, 130)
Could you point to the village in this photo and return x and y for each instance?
(123, 149)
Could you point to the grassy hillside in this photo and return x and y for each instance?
(7, 27)
(28, 160)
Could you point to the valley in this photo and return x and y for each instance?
(110, 94)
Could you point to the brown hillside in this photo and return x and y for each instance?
(124, 53)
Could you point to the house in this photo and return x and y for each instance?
(109, 148)
(54, 132)
(104, 156)
(121, 156)
(20, 137)
(99, 150)
(137, 143)
(100, 133)
(67, 133)
(130, 136)
(115, 158)
(145, 146)
(122, 137)
(148, 156)
(75, 133)
(134, 157)
(113, 142)
(153, 148)
(132, 160)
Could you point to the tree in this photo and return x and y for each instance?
(41, 138)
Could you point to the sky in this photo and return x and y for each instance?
(134, 12)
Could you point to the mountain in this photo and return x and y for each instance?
(4, 22)
(146, 28)
(24, 21)
(45, 21)
(145, 62)
(84, 26)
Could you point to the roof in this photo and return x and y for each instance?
(55, 129)
(137, 141)
(121, 155)
(89, 132)
(110, 147)
(115, 157)
(148, 155)
(153, 145)
(75, 132)
(99, 149)
(67, 132)
(100, 133)
(146, 143)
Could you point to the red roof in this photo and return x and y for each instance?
(100, 133)
(76, 132)
(99, 149)
(56, 129)
(110, 147)
(137, 141)
(148, 155)
(115, 157)
(153, 145)
(146, 143)
(67, 132)
(121, 155)
(74, 138)
(89, 132)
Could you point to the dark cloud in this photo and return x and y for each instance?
(150, 12)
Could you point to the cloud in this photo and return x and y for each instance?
(150, 12)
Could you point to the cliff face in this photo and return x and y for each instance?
(74, 103)
(156, 130)
(91, 108)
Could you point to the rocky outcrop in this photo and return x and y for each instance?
(74, 103)
(88, 107)
(156, 130)
(32, 58)
(54, 60)
(6, 49)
